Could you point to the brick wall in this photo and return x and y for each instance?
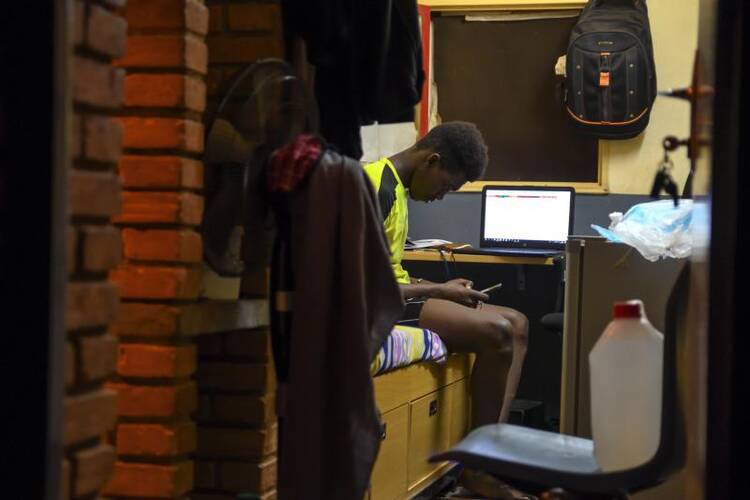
(237, 436)
(99, 35)
(237, 432)
(187, 424)
(160, 276)
(240, 32)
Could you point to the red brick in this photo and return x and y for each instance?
(157, 282)
(246, 410)
(107, 31)
(162, 208)
(156, 440)
(94, 194)
(232, 377)
(98, 357)
(179, 15)
(152, 320)
(89, 415)
(94, 467)
(91, 304)
(103, 139)
(70, 364)
(254, 17)
(243, 49)
(65, 480)
(79, 21)
(97, 83)
(216, 21)
(248, 476)
(165, 91)
(205, 475)
(165, 51)
(101, 248)
(236, 443)
(156, 361)
(161, 172)
(76, 148)
(150, 480)
(163, 133)
(165, 245)
(173, 401)
(253, 345)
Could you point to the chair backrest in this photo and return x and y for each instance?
(670, 456)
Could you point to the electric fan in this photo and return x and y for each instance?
(265, 106)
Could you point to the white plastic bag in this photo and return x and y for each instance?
(657, 229)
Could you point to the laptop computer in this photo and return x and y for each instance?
(524, 220)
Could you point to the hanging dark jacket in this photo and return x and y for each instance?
(345, 302)
(368, 60)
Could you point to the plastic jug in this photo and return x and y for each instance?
(626, 389)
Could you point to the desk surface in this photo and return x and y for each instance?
(435, 256)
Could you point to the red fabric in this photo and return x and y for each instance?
(291, 163)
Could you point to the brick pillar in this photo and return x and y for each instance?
(99, 34)
(162, 174)
(237, 436)
(237, 431)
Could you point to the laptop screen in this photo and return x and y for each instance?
(521, 217)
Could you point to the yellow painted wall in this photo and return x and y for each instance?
(632, 163)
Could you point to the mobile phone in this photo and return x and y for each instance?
(493, 287)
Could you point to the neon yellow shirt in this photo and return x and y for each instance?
(395, 212)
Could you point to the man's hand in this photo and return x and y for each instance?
(460, 291)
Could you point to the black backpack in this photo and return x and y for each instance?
(610, 73)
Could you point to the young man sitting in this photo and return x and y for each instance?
(450, 155)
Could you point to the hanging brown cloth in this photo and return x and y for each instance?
(344, 304)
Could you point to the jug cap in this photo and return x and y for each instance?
(629, 309)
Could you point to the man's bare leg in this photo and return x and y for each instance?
(489, 378)
(499, 337)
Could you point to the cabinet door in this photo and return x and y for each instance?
(460, 411)
(429, 431)
(388, 481)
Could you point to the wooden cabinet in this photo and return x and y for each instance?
(429, 430)
(425, 410)
(460, 417)
(388, 478)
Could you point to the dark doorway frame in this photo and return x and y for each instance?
(35, 110)
(726, 47)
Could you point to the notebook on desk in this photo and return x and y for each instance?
(524, 221)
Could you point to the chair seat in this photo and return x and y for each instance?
(499, 445)
(537, 457)
(546, 459)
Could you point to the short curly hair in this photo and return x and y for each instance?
(461, 148)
